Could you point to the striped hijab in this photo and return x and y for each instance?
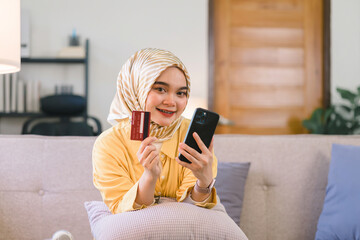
(134, 82)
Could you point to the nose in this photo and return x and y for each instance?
(169, 100)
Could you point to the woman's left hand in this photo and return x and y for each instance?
(201, 163)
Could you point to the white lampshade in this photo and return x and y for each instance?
(9, 36)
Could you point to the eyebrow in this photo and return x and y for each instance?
(167, 85)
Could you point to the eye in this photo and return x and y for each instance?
(159, 89)
(182, 94)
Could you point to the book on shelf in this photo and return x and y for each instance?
(36, 98)
(2, 93)
(7, 93)
(32, 96)
(20, 97)
(14, 85)
(29, 96)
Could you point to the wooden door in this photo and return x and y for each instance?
(267, 64)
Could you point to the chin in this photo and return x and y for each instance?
(164, 123)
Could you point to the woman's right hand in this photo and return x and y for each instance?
(148, 156)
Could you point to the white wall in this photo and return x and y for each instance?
(116, 29)
(345, 46)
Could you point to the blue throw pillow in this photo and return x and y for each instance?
(340, 217)
(230, 186)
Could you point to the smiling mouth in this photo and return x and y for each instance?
(164, 111)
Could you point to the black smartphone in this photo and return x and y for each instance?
(204, 123)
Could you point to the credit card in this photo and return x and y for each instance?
(140, 125)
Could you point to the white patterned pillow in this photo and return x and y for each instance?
(167, 220)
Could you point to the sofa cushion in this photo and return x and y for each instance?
(340, 215)
(167, 220)
(230, 186)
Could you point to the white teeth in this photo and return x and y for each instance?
(165, 111)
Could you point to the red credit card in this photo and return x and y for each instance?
(140, 125)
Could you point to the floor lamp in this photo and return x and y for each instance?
(9, 36)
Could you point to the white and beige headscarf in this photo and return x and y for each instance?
(134, 82)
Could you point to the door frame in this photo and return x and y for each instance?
(326, 54)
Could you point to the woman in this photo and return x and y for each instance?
(132, 175)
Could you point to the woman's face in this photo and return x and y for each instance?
(167, 98)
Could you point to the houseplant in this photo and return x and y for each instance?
(337, 119)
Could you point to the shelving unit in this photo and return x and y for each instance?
(24, 114)
(84, 61)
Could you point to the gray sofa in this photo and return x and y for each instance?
(44, 182)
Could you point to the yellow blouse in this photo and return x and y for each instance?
(116, 169)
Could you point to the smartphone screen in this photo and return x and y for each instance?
(204, 123)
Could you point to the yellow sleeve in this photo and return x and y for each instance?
(188, 184)
(111, 177)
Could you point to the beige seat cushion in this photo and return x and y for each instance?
(167, 220)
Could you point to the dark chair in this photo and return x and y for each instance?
(62, 126)
(64, 115)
